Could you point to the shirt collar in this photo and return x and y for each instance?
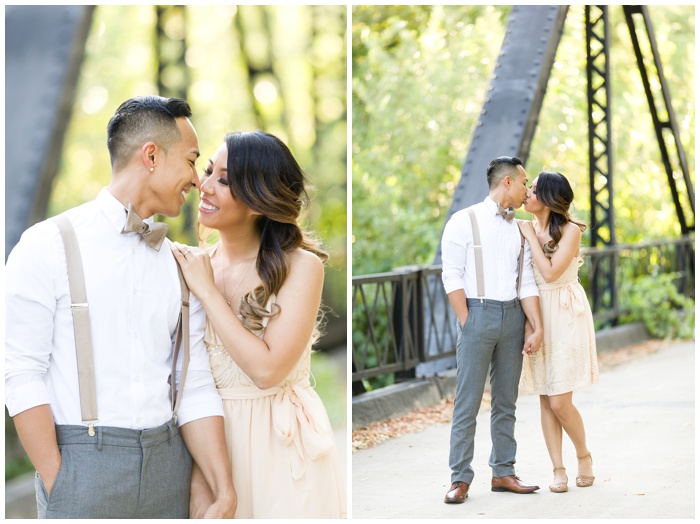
(491, 204)
(114, 210)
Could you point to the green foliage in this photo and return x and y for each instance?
(419, 78)
(16, 461)
(17, 467)
(330, 375)
(301, 98)
(655, 300)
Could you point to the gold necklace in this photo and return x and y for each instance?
(229, 298)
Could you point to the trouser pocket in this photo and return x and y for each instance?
(46, 502)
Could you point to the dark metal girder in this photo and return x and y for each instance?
(659, 124)
(602, 218)
(600, 165)
(44, 48)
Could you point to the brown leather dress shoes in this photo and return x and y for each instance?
(511, 483)
(458, 493)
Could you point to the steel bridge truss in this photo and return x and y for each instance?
(662, 114)
(602, 231)
(602, 223)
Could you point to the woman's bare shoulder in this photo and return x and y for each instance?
(572, 229)
(305, 263)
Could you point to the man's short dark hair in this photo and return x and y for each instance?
(144, 119)
(501, 167)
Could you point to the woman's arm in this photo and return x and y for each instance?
(569, 244)
(269, 360)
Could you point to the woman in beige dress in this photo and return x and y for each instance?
(567, 359)
(260, 285)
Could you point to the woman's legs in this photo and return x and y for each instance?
(552, 430)
(570, 419)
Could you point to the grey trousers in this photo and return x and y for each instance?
(492, 336)
(119, 473)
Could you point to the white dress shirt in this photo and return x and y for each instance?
(134, 296)
(500, 242)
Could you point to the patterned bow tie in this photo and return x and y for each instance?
(153, 234)
(508, 214)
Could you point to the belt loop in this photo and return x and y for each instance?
(172, 430)
(100, 434)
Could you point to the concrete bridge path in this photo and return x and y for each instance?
(640, 424)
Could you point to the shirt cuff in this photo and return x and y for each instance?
(529, 291)
(200, 402)
(452, 283)
(24, 392)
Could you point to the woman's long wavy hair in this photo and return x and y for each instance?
(554, 191)
(264, 175)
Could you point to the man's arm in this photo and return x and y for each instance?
(202, 425)
(454, 261)
(37, 433)
(530, 302)
(30, 309)
(205, 440)
(533, 340)
(458, 301)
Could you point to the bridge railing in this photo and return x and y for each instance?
(403, 318)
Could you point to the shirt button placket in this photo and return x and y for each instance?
(137, 356)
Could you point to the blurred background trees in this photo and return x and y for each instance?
(277, 68)
(419, 77)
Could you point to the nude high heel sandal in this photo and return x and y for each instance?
(585, 481)
(559, 487)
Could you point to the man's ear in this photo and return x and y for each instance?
(148, 155)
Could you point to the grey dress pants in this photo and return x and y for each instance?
(492, 336)
(119, 473)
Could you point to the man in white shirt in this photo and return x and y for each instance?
(133, 463)
(492, 323)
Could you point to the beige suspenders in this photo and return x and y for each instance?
(83, 337)
(520, 260)
(183, 336)
(81, 323)
(479, 257)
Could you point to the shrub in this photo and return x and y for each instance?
(656, 301)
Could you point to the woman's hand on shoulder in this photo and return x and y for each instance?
(527, 229)
(196, 267)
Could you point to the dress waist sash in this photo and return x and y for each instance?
(298, 417)
(571, 298)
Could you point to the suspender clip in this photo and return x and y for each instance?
(482, 300)
(91, 429)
